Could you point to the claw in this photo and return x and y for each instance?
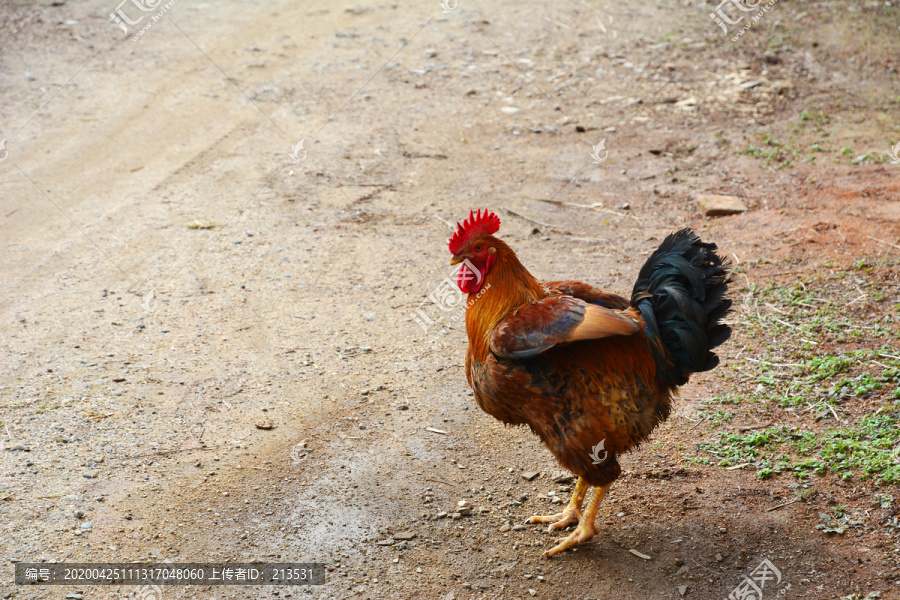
(586, 528)
(570, 516)
(584, 532)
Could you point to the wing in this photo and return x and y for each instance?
(588, 293)
(541, 325)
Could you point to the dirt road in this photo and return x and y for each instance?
(210, 333)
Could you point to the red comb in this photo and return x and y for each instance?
(476, 224)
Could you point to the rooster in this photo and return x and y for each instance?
(591, 373)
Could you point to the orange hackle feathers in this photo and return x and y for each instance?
(477, 224)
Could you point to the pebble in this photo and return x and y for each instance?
(682, 589)
(430, 53)
(405, 535)
(530, 475)
(518, 527)
(403, 407)
(715, 205)
(87, 526)
(418, 569)
(504, 528)
(79, 514)
(73, 596)
(509, 110)
(88, 475)
(440, 515)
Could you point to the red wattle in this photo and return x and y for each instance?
(471, 279)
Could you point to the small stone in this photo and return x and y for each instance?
(79, 514)
(265, 425)
(719, 558)
(464, 504)
(440, 515)
(88, 475)
(73, 596)
(714, 205)
(87, 526)
(455, 516)
(532, 592)
(418, 569)
(723, 530)
(430, 53)
(509, 110)
(405, 535)
(403, 407)
(361, 426)
(639, 554)
(771, 58)
(128, 517)
(682, 589)
(530, 475)
(504, 528)
(518, 527)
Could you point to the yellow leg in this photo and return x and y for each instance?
(586, 528)
(571, 515)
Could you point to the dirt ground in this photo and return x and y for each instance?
(210, 341)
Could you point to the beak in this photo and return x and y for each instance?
(457, 259)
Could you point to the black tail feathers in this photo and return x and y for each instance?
(680, 291)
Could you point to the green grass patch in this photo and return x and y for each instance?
(870, 449)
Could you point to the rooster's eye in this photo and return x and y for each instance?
(478, 248)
